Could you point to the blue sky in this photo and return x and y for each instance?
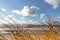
(30, 11)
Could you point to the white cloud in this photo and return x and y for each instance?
(10, 16)
(35, 7)
(21, 22)
(22, 18)
(30, 21)
(7, 20)
(42, 16)
(44, 21)
(26, 22)
(26, 11)
(3, 9)
(54, 3)
(58, 17)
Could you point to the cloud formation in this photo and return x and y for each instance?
(6, 20)
(58, 17)
(54, 3)
(26, 11)
(3, 9)
(42, 16)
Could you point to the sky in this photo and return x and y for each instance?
(29, 11)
